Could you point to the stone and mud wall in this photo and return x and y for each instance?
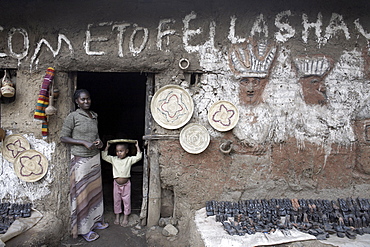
(297, 72)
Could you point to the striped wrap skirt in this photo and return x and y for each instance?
(86, 194)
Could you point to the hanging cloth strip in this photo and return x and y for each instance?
(43, 101)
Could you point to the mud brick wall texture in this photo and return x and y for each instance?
(298, 74)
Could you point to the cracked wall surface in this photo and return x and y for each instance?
(298, 73)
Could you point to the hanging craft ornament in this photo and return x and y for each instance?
(50, 109)
(7, 89)
(43, 101)
(30, 165)
(172, 107)
(194, 138)
(13, 145)
(223, 115)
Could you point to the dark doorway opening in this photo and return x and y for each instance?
(119, 101)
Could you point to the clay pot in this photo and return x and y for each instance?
(55, 93)
(6, 81)
(50, 109)
(7, 91)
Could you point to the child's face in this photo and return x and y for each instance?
(121, 151)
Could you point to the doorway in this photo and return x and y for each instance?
(119, 101)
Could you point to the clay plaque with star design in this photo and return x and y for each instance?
(172, 107)
(30, 165)
(223, 115)
(13, 145)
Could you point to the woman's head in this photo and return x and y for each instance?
(82, 99)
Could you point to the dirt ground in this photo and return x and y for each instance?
(114, 235)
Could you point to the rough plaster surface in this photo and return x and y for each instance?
(16, 190)
(282, 147)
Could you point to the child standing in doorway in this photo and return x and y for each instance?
(121, 173)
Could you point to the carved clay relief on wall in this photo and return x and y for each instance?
(312, 71)
(250, 63)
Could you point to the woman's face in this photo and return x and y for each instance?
(84, 101)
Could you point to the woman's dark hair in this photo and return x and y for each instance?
(78, 92)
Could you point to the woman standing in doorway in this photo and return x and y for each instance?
(80, 130)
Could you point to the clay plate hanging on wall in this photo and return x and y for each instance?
(223, 115)
(194, 138)
(172, 107)
(30, 165)
(13, 145)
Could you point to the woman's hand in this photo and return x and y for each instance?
(89, 145)
(98, 144)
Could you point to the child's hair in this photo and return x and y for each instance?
(122, 144)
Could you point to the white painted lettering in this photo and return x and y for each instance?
(212, 33)
(283, 27)
(89, 39)
(166, 33)
(234, 39)
(26, 43)
(121, 29)
(316, 25)
(188, 33)
(134, 50)
(336, 24)
(1, 53)
(139, 37)
(61, 37)
(259, 26)
(361, 29)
